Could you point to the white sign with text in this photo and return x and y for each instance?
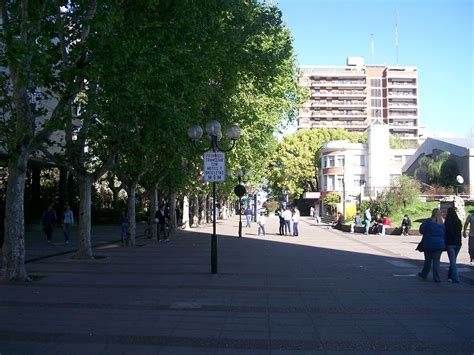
(214, 166)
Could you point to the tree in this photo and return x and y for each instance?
(332, 199)
(429, 169)
(44, 53)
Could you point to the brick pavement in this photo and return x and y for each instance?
(321, 292)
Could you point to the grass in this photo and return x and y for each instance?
(419, 211)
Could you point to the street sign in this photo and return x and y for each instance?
(214, 166)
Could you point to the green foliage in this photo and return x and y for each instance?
(402, 193)
(295, 160)
(332, 199)
(429, 169)
(398, 143)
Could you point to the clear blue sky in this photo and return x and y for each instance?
(434, 35)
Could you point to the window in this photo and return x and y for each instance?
(397, 159)
(359, 180)
(331, 161)
(329, 182)
(340, 182)
(359, 160)
(340, 160)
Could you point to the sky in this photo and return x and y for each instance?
(436, 36)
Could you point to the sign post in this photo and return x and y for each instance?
(214, 171)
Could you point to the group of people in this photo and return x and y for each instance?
(49, 219)
(288, 221)
(444, 235)
(288, 218)
(380, 223)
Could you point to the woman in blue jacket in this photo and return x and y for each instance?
(433, 232)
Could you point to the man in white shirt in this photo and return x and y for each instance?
(287, 218)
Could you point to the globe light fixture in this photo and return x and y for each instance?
(214, 134)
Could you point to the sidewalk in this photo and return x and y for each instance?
(323, 291)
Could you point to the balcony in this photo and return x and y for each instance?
(339, 83)
(338, 93)
(401, 84)
(339, 104)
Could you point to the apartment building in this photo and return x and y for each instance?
(357, 95)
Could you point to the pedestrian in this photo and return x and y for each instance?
(357, 220)
(123, 227)
(281, 219)
(367, 219)
(68, 221)
(48, 220)
(337, 224)
(160, 218)
(296, 219)
(287, 219)
(453, 227)
(386, 223)
(470, 223)
(261, 224)
(433, 244)
(379, 222)
(248, 216)
(311, 212)
(406, 225)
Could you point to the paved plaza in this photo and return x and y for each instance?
(321, 292)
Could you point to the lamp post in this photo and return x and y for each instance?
(215, 171)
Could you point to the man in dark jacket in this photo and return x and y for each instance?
(160, 219)
(49, 219)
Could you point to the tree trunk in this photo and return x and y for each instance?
(153, 209)
(13, 267)
(84, 245)
(185, 224)
(202, 209)
(173, 222)
(195, 222)
(131, 203)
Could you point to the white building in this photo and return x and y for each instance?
(356, 171)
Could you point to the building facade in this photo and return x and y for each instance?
(358, 171)
(356, 95)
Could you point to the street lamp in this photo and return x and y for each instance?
(460, 181)
(214, 133)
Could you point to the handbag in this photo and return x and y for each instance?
(420, 247)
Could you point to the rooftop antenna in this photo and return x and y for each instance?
(373, 47)
(396, 34)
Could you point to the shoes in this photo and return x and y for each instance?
(420, 276)
(166, 240)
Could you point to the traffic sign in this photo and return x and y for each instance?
(214, 166)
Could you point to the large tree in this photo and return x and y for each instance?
(44, 54)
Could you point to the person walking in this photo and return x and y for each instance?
(296, 219)
(160, 218)
(367, 219)
(48, 220)
(433, 243)
(470, 223)
(287, 219)
(248, 216)
(261, 224)
(123, 227)
(68, 221)
(453, 226)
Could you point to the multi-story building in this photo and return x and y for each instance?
(358, 171)
(356, 95)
